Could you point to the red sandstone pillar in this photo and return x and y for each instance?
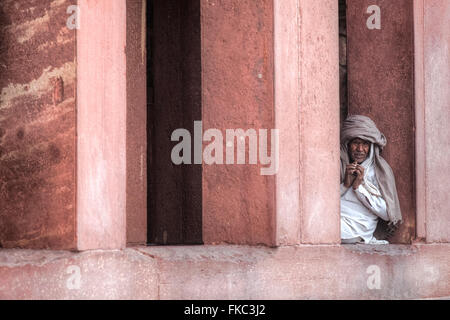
(436, 79)
(101, 125)
(287, 83)
(319, 122)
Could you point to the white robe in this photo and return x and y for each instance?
(361, 208)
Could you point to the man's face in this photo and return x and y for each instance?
(359, 150)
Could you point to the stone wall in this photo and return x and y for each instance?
(229, 272)
(37, 124)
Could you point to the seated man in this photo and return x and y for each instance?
(368, 191)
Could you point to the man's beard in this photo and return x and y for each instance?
(359, 156)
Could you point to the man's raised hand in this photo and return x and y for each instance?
(350, 175)
(359, 170)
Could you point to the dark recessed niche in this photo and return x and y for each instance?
(174, 101)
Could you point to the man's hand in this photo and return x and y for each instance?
(350, 174)
(359, 170)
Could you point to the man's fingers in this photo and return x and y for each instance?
(359, 170)
(350, 168)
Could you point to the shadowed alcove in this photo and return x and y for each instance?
(378, 81)
(174, 101)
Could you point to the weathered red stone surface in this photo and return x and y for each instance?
(229, 272)
(37, 125)
(380, 84)
(237, 92)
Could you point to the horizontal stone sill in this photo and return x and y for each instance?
(419, 271)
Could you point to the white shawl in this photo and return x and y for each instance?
(361, 208)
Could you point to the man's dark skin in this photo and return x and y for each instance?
(358, 150)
